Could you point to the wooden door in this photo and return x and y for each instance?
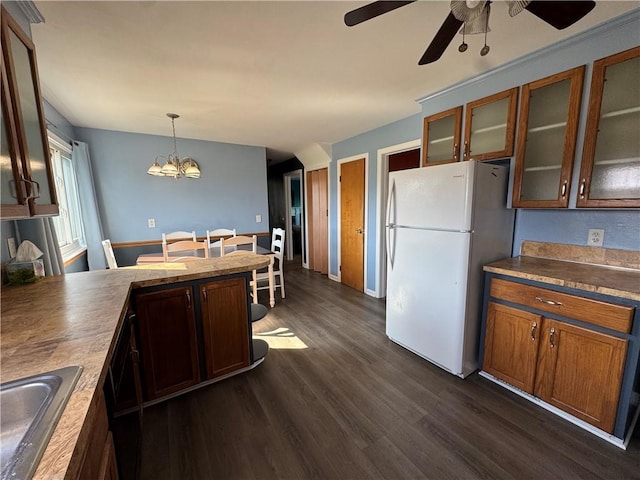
(580, 372)
(318, 211)
(225, 325)
(352, 224)
(511, 345)
(166, 322)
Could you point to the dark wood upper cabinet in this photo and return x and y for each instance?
(441, 137)
(610, 169)
(547, 133)
(490, 126)
(28, 187)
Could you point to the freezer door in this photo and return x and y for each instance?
(437, 197)
(426, 294)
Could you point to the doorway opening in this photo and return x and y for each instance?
(294, 223)
(396, 157)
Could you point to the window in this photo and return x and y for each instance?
(68, 224)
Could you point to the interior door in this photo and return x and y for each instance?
(352, 224)
(318, 210)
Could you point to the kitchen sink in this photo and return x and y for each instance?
(29, 411)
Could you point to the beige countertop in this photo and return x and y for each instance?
(73, 320)
(592, 269)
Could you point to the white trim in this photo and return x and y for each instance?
(381, 197)
(334, 278)
(339, 164)
(59, 143)
(618, 442)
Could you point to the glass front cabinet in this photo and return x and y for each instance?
(25, 166)
(441, 137)
(610, 169)
(489, 129)
(547, 133)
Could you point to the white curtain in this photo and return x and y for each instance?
(88, 206)
(42, 234)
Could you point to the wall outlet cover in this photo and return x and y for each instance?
(151, 222)
(595, 237)
(258, 218)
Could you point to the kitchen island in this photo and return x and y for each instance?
(76, 320)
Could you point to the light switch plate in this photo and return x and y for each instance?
(258, 218)
(596, 237)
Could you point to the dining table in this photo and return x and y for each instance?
(214, 251)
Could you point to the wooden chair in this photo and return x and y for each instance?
(179, 235)
(184, 245)
(108, 253)
(237, 241)
(217, 233)
(277, 247)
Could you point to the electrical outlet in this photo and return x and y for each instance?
(11, 243)
(151, 222)
(596, 237)
(258, 218)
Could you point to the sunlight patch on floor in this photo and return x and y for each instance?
(281, 338)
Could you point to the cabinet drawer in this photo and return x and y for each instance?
(607, 315)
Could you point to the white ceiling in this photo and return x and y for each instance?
(283, 75)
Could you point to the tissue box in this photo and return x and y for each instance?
(25, 272)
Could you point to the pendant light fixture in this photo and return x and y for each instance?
(173, 167)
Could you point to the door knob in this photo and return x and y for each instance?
(359, 231)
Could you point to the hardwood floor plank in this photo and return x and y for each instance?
(336, 399)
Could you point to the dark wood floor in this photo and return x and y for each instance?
(353, 405)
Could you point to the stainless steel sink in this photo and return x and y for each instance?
(29, 411)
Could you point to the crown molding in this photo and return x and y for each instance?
(29, 9)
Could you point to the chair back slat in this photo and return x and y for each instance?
(184, 245)
(108, 253)
(179, 235)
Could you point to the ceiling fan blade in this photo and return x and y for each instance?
(371, 10)
(441, 40)
(560, 14)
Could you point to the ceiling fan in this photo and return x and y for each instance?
(472, 16)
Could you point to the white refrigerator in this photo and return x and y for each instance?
(444, 223)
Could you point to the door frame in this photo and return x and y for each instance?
(287, 177)
(339, 164)
(305, 191)
(382, 187)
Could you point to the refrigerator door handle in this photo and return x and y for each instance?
(391, 203)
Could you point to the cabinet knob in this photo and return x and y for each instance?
(552, 337)
(563, 192)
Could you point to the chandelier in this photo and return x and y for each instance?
(173, 166)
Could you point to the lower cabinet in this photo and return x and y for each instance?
(224, 325)
(567, 350)
(99, 459)
(573, 368)
(167, 329)
(186, 339)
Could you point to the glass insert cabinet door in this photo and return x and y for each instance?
(547, 132)
(610, 169)
(13, 201)
(441, 137)
(490, 125)
(20, 67)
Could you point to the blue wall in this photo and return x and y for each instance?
(622, 228)
(369, 143)
(230, 193)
